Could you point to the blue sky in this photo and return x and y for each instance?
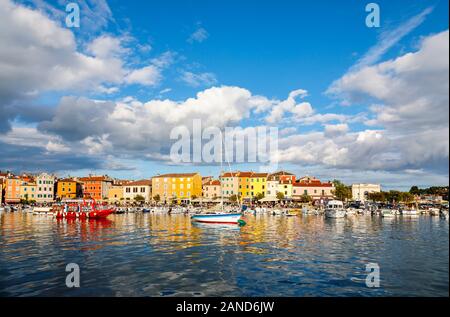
(265, 47)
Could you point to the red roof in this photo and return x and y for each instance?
(95, 178)
(313, 184)
(212, 183)
(176, 175)
(142, 182)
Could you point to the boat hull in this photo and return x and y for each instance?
(96, 214)
(217, 218)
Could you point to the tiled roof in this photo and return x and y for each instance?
(95, 178)
(212, 183)
(176, 175)
(142, 182)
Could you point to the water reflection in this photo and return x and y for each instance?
(168, 255)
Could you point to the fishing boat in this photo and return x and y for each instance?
(226, 218)
(84, 211)
(335, 209)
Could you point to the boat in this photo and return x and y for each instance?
(409, 212)
(388, 212)
(226, 218)
(351, 211)
(42, 211)
(335, 209)
(434, 211)
(84, 211)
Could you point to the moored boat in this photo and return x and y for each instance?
(83, 212)
(229, 218)
(335, 209)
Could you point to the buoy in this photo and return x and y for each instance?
(241, 222)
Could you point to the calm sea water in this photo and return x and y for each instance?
(162, 255)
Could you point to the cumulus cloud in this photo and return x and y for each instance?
(38, 56)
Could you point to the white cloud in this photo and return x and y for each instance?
(198, 36)
(197, 80)
(149, 76)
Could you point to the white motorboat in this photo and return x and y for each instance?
(335, 209)
(410, 212)
(42, 211)
(388, 212)
(226, 218)
(434, 211)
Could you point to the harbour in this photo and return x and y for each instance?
(159, 254)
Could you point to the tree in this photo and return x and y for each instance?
(139, 198)
(280, 196)
(233, 198)
(194, 197)
(259, 196)
(342, 191)
(305, 198)
(157, 198)
(414, 190)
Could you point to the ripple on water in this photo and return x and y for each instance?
(161, 255)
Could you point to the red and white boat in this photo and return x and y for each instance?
(83, 211)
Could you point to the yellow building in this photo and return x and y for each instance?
(251, 184)
(115, 193)
(258, 184)
(181, 187)
(28, 191)
(68, 188)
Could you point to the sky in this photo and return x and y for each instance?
(350, 102)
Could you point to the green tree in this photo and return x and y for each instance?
(280, 196)
(342, 191)
(139, 198)
(305, 198)
(233, 198)
(414, 190)
(259, 196)
(157, 198)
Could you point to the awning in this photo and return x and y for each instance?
(268, 199)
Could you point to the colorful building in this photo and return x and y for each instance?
(68, 188)
(180, 187)
(314, 188)
(230, 184)
(258, 184)
(12, 189)
(285, 187)
(115, 193)
(212, 189)
(45, 188)
(96, 187)
(28, 191)
(135, 189)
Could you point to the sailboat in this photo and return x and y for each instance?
(222, 217)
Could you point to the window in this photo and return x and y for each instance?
(127, 189)
(135, 190)
(142, 189)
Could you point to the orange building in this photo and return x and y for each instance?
(96, 187)
(68, 188)
(12, 189)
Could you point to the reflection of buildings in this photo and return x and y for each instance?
(360, 192)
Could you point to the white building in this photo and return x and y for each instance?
(45, 188)
(360, 192)
(138, 188)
